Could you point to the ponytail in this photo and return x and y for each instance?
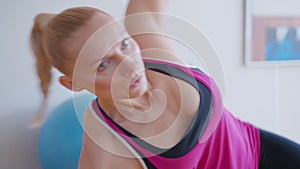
(47, 42)
(43, 64)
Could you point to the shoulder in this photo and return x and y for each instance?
(94, 156)
(101, 148)
(102, 135)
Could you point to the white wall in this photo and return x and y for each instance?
(20, 93)
(267, 97)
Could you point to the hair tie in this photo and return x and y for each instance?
(38, 27)
(41, 21)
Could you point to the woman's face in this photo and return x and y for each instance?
(109, 62)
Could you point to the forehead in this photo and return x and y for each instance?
(98, 35)
(93, 41)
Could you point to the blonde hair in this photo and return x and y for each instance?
(47, 42)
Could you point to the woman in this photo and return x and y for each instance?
(150, 111)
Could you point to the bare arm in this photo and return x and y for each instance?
(141, 6)
(144, 24)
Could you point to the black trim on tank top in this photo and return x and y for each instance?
(191, 138)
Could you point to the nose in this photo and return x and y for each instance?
(128, 65)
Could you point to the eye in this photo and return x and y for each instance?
(125, 43)
(103, 65)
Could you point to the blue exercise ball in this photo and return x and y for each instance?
(60, 137)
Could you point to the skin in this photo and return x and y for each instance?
(156, 108)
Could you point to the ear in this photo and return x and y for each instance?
(68, 83)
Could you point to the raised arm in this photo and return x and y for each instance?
(144, 24)
(142, 6)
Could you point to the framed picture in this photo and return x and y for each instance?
(272, 32)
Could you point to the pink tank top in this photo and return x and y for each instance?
(215, 140)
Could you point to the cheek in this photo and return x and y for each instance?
(102, 88)
(103, 82)
(111, 87)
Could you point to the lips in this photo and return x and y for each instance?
(136, 80)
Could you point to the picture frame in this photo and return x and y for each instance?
(272, 32)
